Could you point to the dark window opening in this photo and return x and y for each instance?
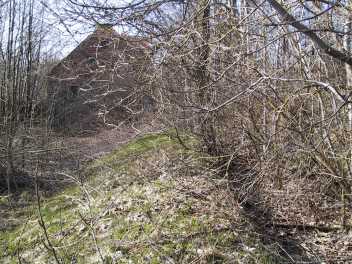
(105, 42)
(92, 61)
(74, 91)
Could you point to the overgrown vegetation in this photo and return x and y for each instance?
(258, 166)
(145, 202)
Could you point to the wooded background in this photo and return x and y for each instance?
(265, 85)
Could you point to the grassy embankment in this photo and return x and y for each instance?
(150, 201)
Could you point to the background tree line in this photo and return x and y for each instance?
(25, 58)
(264, 84)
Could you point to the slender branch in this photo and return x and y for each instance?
(49, 245)
(328, 49)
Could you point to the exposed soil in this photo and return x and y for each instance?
(63, 155)
(58, 167)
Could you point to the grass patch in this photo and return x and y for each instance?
(132, 149)
(136, 207)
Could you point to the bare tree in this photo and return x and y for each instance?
(20, 75)
(259, 82)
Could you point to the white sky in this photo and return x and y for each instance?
(65, 35)
(62, 37)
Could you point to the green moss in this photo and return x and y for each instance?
(120, 232)
(136, 147)
(4, 200)
(174, 230)
(148, 228)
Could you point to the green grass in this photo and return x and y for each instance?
(133, 215)
(135, 148)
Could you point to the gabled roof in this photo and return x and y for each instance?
(103, 36)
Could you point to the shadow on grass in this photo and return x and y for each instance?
(285, 247)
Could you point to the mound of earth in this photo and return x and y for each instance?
(151, 201)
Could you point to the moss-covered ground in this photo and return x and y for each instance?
(150, 201)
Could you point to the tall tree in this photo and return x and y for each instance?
(20, 62)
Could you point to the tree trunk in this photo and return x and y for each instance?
(346, 189)
(206, 120)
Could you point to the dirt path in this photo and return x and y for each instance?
(78, 150)
(58, 167)
(105, 141)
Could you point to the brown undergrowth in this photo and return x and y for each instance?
(152, 201)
